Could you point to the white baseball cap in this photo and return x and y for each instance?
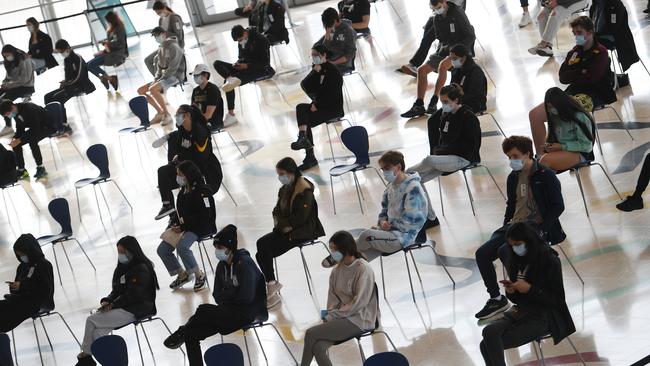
(200, 68)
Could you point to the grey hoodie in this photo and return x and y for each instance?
(20, 75)
(174, 27)
(169, 60)
(343, 42)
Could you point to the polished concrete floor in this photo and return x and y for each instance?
(609, 248)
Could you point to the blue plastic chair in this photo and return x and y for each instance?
(140, 109)
(98, 156)
(225, 354)
(355, 139)
(110, 350)
(55, 111)
(5, 351)
(387, 359)
(60, 211)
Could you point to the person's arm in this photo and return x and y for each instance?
(79, 68)
(550, 296)
(137, 285)
(433, 129)
(465, 28)
(260, 55)
(555, 204)
(302, 208)
(176, 28)
(349, 46)
(333, 301)
(383, 214)
(363, 289)
(596, 70)
(200, 211)
(247, 278)
(511, 202)
(332, 85)
(475, 89)
(582, 143)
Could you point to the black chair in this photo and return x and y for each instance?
(409, 250)
(201, 243)
(60, 211)
(110, 350)
(55, 110)
(537, 345)
(140, 109)
(140, 322)
(258, 323)
(305, 267)
(224, 354)
(387, 359)
(98, 155)
(469, 192)
(587, 164)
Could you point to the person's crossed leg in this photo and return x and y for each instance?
(439, 64)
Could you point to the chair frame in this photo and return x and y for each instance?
(140, 322)
(576, 170)
(575, 270)
(356, 184)
(374, 2)
(56, 261)
(469, 192)
(305, 267)
(257, 325)
(40, 315)
(537, 345)
(216, 132)
(4, 199)
(618, 116)
(333, 121)
(275, 55)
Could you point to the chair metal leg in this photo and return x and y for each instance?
(46, 334)
(576, 351)
(609, 179)
(236, 145)
(331, 190)
(363, 355)
(84, 252)
(223, 184)
(570, 263)
(388, 338)
(122, 193)
(356, 185)
(202, 245)
(469, 193)
(380, 177)
(283, 342)
(13, 342)
(442, 204)
(108, 208)
(67, 258)
(214, 142)
(383, 280)
(366, 84)
(56, 263)
(277, 269)
(600, 147)
(53, 155)
(38, 343)
(541, 353)
(408, 270)
(395, 10)
(535, 349)
(496, 123)
(170, 332)
(146, 338)
(494, 180)
(621, 120)
(435, 254)
(261, 346)
(250, 361)
(306, 269)
(582, 193)
(99, 210)
(67, 326)
(417, 271)
(329, 138)
(137, 338)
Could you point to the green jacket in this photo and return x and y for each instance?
(571, 136)
(301, 215)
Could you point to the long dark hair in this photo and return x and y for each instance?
(535, 246)
(192, 173)
(34, 22)
(567, 108)
(160, 5)
(137, 255)
(19, 56)
(195, 113)
(346, 244)
(114, 20)
(289, 165)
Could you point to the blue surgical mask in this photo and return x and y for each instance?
(13, 115)
(221, 254)
(447, 108)
(581, 40)
(123, 258)
(317, 60)
(179, 119)
(456, 63)
(284, 179)
(517, 164)
(337, 256)
(24, 259)
(198, 79)
(390, 176)
(520, 249)
(182, 181)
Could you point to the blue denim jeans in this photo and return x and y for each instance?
(94, 65)
(184, 249)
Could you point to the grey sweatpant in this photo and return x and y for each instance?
(319, 338)
(550, 20)
(101, 324)
(372, 243)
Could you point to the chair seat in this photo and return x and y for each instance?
(88, 181)
(207, 237)
(468, 167)
(42, 312)
(258, 322)
(335, 119)
(307, 243)
(143, 319)
(343, 169)
(264, 77)
(411, 247)
(134, 129)
(545, 336)
(49, 239)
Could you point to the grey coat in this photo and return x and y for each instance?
(169, 60)
(118, 48)
(175, 28)
(20, 75)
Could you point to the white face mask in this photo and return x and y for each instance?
(179, 119)
(284, 179)
(520, 249)
(24, 259)
(337, 256)
(517, 164)
(456, 63)
(65, 54)
(181, 181)
(159, 38)
(9, 58)
(441, 10)
(447, 108)
(30, 28)
(221, 254)
(243, 42)
(317, 60)
(390, 176)
(162, 14)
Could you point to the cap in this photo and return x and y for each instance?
(200, 68)
(158, 30)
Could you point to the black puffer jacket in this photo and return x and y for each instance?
(43, 49)
(472, 79)
(36, 276)
(613, 31)
(196, 210)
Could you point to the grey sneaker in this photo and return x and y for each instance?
(180, 280)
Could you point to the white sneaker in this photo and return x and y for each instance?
(273, 300)
(545, 51)
(156, 119)
(272, 289)
(166, 119)
(160, 142)
(533, 50)
(6, 130)
(229, 120)
(230, 84)
(525, 20)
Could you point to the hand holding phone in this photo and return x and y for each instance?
(506, 282)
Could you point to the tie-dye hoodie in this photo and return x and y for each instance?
(404, 206)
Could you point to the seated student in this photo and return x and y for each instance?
(207, 97)
(191, 142)
(466, 73)
(340, 40)
(114, 53)
(586, 70)
(253, 62)
(455, 141)
(295, 221)
(40, 47)
(132, 297)
(403, 212)
(352, 306)
(358, 12)
(8, 167)
(571, 135)
(324, 86)
(33, 123)
(271, 22)
(250, 11)
(19, 79)
(33, 287)
(451, 27)
(536, 288)
(550, 19)
(534, 196)
(76, 80)
(170, 71)
(171, 23)
(194, 219)
(239, 292)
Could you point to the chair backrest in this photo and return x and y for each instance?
(60, 211)
(55, 110)
(355, 139)
(5, 351)
(98, 155)
(387, 359)
(225, 354)
(110, 350)
(140, 108)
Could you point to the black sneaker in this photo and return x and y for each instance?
(647, 11)
(176, 339)
(165, 211)
(67, 130)
(328, 262)
(302, 143)
(200, 281)
(493, 307)
(307, 164)
(433, 105)
(179, 281)
(415, 111)
(40, 173)
(631, 203)
(85, 361)
(431, 223)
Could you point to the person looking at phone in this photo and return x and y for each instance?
(536, 289)
(535, 197)
(133, 297)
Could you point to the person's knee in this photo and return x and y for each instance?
(143, 89)
(320, 349)
(164, 249)
(490, 332)
(424, 70)
(485, 252)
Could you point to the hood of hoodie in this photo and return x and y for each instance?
(28, 244)
(411, 178)
(241, 254)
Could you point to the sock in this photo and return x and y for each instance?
(419, 101)
(498, 298)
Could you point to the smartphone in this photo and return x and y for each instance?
(506, 282)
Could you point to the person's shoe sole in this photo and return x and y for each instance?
(307, 166)
(542, 53)
(165, 213)
(180, 284)
(499, 310)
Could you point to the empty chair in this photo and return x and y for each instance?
(276, 55)
(140, 322)
(110, 350)
(387, 359)
(576, 170)
(268, 77)
(60, 212)
(225, 354)
(98, 156)
(43, 313)
(355, 139)
(55, 110)
(140, 109)
(469, 193)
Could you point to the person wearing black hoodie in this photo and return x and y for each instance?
(76, 79)
(239, 293)
(324, 85)
(40, 47)
(469, 75)
(194, 219)
(190, 142)
(133, 296)
(33, 287)
(295, 221)
(253, 62)
(271, 22)
(536, 289)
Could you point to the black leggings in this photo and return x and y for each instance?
(207, 321)
(62, 95)
(13, 312)
(644, 177)
(504, 334)
(167, 182)
(305, 117)
(32, 141)
(270, 246)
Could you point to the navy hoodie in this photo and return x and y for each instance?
(241, 285)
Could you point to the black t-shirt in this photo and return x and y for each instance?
(202, 98)
(354, 10)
